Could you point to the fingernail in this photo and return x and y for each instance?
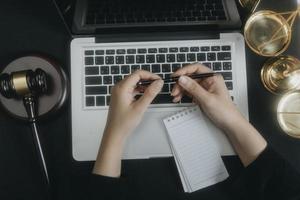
(183, 80)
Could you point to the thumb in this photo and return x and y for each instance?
(149, 94)
(193, 88)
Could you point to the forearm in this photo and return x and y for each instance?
(246, 140)
(108, 162)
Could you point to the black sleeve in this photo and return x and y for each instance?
(108, 188)
(269, 177)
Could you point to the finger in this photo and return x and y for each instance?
(150, 93)
(191, 69)
(176, 90)
(177, 98)
(138, 75)
(193, 88)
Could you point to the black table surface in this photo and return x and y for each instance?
(33, 26)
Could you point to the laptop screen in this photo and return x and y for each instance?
(88, 16)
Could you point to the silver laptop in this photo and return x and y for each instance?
(113, 38)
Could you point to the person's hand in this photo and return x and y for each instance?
(125, 113)
(210, 94)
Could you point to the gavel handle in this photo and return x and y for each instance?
(29, 103)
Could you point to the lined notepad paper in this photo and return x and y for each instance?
(197, 158)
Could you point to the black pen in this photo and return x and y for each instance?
(175, 78)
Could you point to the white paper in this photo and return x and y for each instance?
(196, 155)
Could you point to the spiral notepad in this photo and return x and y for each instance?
(197, 158)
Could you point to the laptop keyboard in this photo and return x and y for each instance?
(156, 11)
(106, 67)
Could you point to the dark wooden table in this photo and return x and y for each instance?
(34, 26)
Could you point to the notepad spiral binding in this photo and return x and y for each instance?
(182, 113)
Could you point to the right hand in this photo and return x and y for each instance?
(210, 94)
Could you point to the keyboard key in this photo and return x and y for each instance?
(152, 50)
(171, 58)
(89, 60)
(206, 48)
(201, 57)
(186, 99)
(160, 58)
(162, 99)
(224, 56)
(168, 75)
(227, 75)
(89, 52)
(184, 49)
(109, 60)
(166, 68)
(114, 69)
(90, 101)
(211, 56)
(215, 48)
(194, 49)
(93, 80)
(229, 85)
(121, 51)
(163, 50)
(207, 64)
(146, 67)
(94, 90)
(150, 58)
(140, 59)
(129, 59)
(107, 100)
(155, 68)
(173, 49)
(226, 48)
(175, 67)
(120, 59)
(142, 50)
(110, 89)
(91, 70)
(99, 52)
(165, 88)
(217, 66)
(227, 66)
(131, 51)
(99, 60)
(117, 79)
(181, 57)
(125, 69)
(134, 68)
(104, 70)
(100, 100)
(191, 57)
(107, 80)
(110, 51)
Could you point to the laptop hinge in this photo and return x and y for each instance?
(103, 36)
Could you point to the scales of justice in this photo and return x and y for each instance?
(269, 34)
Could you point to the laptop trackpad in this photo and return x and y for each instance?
(150, 137)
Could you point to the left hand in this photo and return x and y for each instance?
(125, 113)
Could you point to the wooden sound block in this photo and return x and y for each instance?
(47, 104)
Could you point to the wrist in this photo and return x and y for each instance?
(235, 121)
(114, 137)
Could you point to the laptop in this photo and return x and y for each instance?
(114, 38)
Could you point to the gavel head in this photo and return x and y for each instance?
(21, 83)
